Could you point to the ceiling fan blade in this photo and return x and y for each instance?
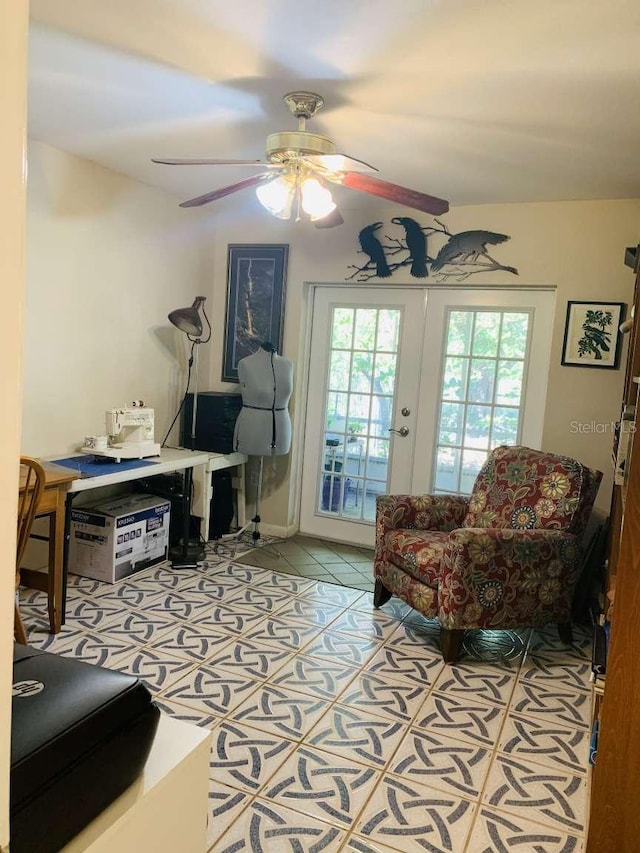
(330, 221)
(223, 191)
(173, 161)
(394, 192)
(339, 163)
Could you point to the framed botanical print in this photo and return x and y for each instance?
(592, 335)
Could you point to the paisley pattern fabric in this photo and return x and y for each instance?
(493, 578)
(421, 512)
(418, 595)
(506, 557)
(418, 552)
(526, 489)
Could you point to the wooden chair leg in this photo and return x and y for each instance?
(451, 643)
(380, 594)
(565, 633)
(18, 628)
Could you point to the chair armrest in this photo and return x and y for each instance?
(505, 578)
(421, 512)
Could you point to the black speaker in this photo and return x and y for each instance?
(221, 511)
(215, 421)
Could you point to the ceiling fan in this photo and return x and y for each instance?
(297, 168)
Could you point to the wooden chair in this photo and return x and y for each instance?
(32, 478)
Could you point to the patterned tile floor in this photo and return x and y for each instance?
(336, 727)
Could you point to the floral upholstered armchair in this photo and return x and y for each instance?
(507, 556)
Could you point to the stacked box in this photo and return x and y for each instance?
(115, 538)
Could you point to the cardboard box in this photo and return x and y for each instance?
(118, 537)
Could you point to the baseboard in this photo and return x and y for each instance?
(281, 531)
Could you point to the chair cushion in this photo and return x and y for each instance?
(417, 552)
(523, 489)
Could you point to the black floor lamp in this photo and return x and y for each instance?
(188, 320)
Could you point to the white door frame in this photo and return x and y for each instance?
(412, 303)
(534, 384)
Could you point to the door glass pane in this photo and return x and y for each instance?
(477, 426)
(482, 390)
(447, 477)
(451, 421)
(513, 341)
(362, 371)
(381, 412)
(509, 388)
(486, 333)
(339, 370)
(505, 426)
(472, 462)
(342, 331)
(481, 380)
(365, 331)
(388, 330)
(460, 328)
(384, 377)
(455, 378)
(336, 409)
(359, 407)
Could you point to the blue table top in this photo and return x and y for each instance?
(93, 466)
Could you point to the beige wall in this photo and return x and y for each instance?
(576, 246)
(108, 258)
(13, 60)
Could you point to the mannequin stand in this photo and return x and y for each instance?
(255, 533)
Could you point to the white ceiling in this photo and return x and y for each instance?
(476, 101)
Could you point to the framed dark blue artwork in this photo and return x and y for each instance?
(257, 276)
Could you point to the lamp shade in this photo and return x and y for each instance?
(188, 320)
(277, 196)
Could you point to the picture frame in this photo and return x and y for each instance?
(256, 285)
(592, 336)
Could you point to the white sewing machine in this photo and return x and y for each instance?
(130, 434)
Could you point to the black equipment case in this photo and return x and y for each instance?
(80, 735)
(215, 421)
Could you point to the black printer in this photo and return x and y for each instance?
(80, 735)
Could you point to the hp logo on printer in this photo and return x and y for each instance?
(27, 688)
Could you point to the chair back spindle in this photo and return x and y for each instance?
(32, 479)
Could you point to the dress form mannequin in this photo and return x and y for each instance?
(263, 427)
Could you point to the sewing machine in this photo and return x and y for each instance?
(130, 434)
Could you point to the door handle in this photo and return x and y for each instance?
(403, 431)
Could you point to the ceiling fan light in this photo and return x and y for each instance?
(277, 196)
(316, 199)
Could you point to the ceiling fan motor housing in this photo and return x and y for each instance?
(289, 145)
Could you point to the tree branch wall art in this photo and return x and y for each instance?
(428, 250)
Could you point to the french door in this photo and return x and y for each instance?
(364, 374)
(409, 389)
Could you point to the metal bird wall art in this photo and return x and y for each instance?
(458, 257)
(373, 248)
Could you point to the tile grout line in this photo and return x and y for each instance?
(333, 704)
